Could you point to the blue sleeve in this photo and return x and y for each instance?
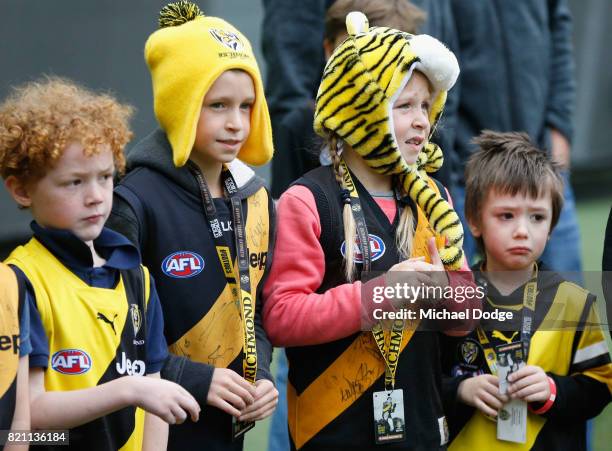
(157, 348)
(25, 346)
(39, 345)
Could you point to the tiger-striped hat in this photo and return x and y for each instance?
(364, 76)
(361, 81)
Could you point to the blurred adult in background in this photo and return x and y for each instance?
(517, 74)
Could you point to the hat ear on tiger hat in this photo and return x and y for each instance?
(361, 81)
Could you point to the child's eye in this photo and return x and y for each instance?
(425, 106)
(538, 218)
(505, 216)
(403, 106)
(107, 177)
(217, 105)
(75, 182)
(246, 106)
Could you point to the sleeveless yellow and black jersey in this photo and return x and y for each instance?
(568, 344)
(331, 385)
(9, 344)
(95, 335)
(202, 320)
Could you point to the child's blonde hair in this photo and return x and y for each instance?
(39, 119)
(403, 233)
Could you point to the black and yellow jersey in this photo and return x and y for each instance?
(9, 344)
(331, 385)
(567, 343)
(160, 208)
(94, 335)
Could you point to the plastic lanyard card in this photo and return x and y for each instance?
(512, 418)
(389, 420)
(239, 428)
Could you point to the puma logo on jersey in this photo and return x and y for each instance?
(108, 321)
(501, 336)
(130, 367)
(9, 341)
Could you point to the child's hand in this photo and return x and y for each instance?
(530, 384)
(429, 274)
(482, 392)
(266, 399)
(169, 401)
(230, 392)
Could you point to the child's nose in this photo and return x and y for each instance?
(234, 120)
(521, 229)
(420, 120)
(95, 194)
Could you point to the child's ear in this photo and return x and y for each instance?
(18, 191)
(328, 48)
(474, 228)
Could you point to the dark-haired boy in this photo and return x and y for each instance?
(513, 201)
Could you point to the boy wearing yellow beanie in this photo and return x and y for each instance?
(203, 220)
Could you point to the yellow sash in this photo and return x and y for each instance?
(218, 337)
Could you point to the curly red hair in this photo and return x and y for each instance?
(39, 119)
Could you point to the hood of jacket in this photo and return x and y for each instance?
(154, 152)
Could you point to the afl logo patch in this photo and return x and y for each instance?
(71, 361)
(377, 249)
(182, 264)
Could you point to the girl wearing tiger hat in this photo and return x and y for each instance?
(380, 97)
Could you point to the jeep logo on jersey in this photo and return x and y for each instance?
(71, 361)
(8, 342)
(183, 264)
(258, 260)
(130, 367)
(377, 249)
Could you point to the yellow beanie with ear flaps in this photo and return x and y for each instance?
(185, 56)
(361, 81)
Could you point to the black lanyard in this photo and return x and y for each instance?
(244, 300)
(390, 349)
